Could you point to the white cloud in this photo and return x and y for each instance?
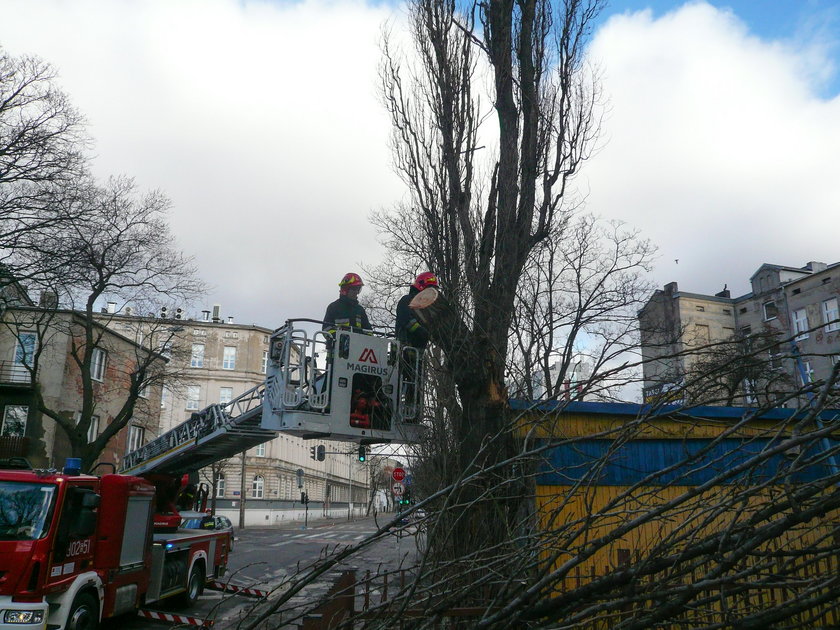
(717, 146)
(260, 121)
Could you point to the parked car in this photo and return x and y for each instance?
(208, 521)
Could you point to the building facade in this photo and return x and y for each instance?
(782, 333)
(40, 341)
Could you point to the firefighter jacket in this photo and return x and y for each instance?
(346, 313)
(408, 328)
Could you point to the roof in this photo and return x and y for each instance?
(637, 410)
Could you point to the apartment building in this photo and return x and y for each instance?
(213, 359)
(41, 340)
(680, 330)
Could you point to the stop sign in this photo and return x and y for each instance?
(398, 474)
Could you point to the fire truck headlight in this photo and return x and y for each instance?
(23, 616)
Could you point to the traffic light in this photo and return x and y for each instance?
(363, 453)
(318, 453)
(304, 498)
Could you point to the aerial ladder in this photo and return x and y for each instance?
(344, 386)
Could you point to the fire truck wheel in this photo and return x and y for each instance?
(195, 585)
(84, 613)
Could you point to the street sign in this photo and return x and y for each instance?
(300, 477)
(398, 488)
(408, 480)
(398, 474)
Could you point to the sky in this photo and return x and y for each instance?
(261, 122)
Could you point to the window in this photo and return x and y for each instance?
(229, 359)
(14, 420)
(225, 395)
(701, 333)
(264, 367)
(830, 315)
(809, 373)
(197, 356)
(800, 324)
(749, 392)
(136, 437)
(775, 359)
(97, 364)
(700, 308)
(144, 391)
(93, 430)
(166, 349)
(220, 486)
(25, 349)
(257, 487)
(726, 311)
(746, 331)
(742, 310)
(261, 450)
(164, 396)
(193, 396)
(24, 357)
(770, 311)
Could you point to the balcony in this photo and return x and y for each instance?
(12, 373)
(13, 446)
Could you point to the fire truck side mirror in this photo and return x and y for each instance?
(85, 524)
(90, 500)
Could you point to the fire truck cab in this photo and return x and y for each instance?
(75, 549)
(346, 385)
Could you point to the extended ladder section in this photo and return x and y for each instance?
(213, 434)
(343, 385)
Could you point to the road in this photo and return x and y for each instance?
(263, 558)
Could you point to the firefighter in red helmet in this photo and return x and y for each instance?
(346, 312)
(409, 330)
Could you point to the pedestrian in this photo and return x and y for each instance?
(346, 312)
(408, 328)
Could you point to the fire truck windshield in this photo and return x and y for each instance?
(24, 510)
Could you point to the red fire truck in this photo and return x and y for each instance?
(75, 549)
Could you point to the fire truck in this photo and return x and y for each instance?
(76, 549)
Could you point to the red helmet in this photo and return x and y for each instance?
(425, 279)
(350, 280)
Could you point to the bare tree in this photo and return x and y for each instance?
(575, 320)
(42, 146)
(121, 252)
(477, 221)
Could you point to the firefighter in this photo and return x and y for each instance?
(346, 312)
(409, 330)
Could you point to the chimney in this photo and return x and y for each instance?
(205, 316)
(671, 288)
(724, 294)
(111, 308)
(814, 266)
(49, 299)
(217, 308)
(230, 319)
